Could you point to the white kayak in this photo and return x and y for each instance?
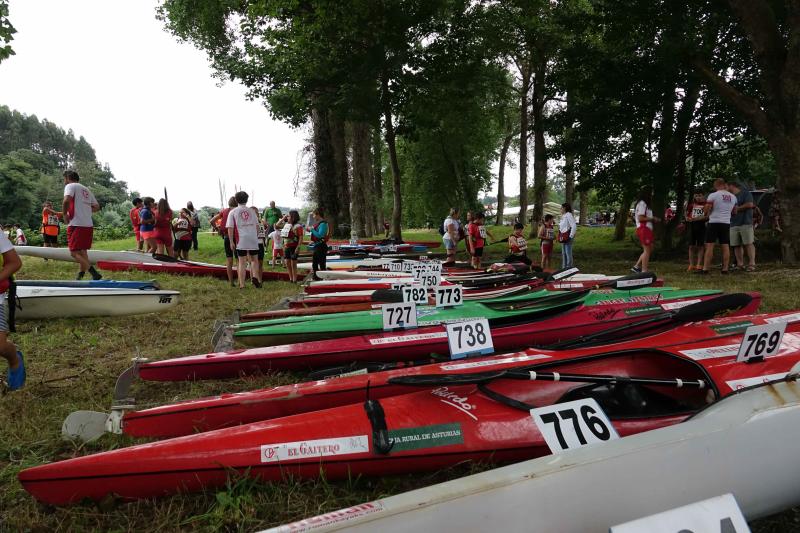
(71, 302)
(745, 444)
(62, 254)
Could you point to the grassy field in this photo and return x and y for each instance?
(73, 364)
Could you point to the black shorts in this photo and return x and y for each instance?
(227, 244)
(245, 253)
(290, 254)
(260, 252)
(697, 233)
(183, 245)
(50, 239)
(477, 252)
(718, 232)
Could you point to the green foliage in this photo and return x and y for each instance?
(7, 32)
(17, 200)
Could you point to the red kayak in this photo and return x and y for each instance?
(227, 410)
(184, 268)
(452, 419)
(409, 345)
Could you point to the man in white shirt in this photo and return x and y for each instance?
(719, 206)
(242, 228)
(79, 204)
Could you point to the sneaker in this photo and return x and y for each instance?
(95, 274)
(16, 378)
(256, 283)
(636, 270)
(80, 275)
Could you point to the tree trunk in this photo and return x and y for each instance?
(523, 142)
(583, 217)
(391, 146)
(341, 218)
(787, 159)
(622, 217)
(326, 193)
(377, 177)
(501, 180)
(362, 201)
(539, 147)
(569, 162)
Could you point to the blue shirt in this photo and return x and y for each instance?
(320, 232)
(145, 214)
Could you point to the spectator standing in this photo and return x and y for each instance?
(696, 217)
(220, 221)
(147, 224)
(9, 264)
(643, 216)
(451, 229)
(182, 227)
(547, 234)
(271, 216)
(50, 225)
(78, 206)
(242, 226)
(719, 207)
(292, 235)
(194, 219)
(319, 241)
(277, 246)
(163, 231)
(775, 213)
(19, 236)
(567, 227)
(467, 229)
(742, 233)
(136, 221)
(261, 230)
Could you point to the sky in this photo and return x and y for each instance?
(147, 104)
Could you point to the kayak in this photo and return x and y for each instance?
(227, 410)
(182, 267)
(63, 254)
(422, 343)
(86, 284)
(72, 302)
(618, 393)
(498, 312)
(729, 447)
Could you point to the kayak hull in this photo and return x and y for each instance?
(85, 284)
(188, 269)
(68, 302)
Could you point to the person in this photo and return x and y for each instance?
(271, 216)
(50, 225)
(696, 217)
(547, 235)
(450, 228)
(277, 244)
(147, 224)
(220, 221)
(136, 222)
(194, 218)
(9, 264)
(386, 229)
(78, 206)
(261, 231)
(182, 227)
(517, 246)
(292, 235)
(643, 216)
(720, 204)
(742, 233)
(467, 228)
(566, 234)
(19, 236)
(242, 228)
(319, 242)
(775, 213)
(163, 230)
(477, 238)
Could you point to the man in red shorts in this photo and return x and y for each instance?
(79, 204)
(136, 222)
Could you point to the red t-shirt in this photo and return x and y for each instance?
(695, 210)
(135, 219)
(478, 234)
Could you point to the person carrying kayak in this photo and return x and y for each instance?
(319, 242)
(9, 264)
(78, 206)
(292, 235)
(243, 235)
(220, 221)
(136, 222)
(50, 225)
(517, 246)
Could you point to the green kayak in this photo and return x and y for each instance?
(503, 311)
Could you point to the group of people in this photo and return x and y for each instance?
(158, 230)
(475, 234)
(726, 217)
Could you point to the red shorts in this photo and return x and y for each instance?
(79, 238)
(547, 247)
(138, 235)
(277, 253)
(645, 235)
(163, 236)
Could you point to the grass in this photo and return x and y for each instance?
(73, 364)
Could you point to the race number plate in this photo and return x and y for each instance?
(472, 337)
(761, 341)
(717, 515)
(415, 294)
(449, 295)
(396, 316)
(569, 425)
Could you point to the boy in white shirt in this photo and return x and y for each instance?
(720, 204)
(242, 229)
(277, 247)
(78, 206)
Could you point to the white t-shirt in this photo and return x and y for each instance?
(567, 224)
(5, 244)
(722, 204)
(277, 239)
(245, 221)
(642, 209)
(21, 239)
(80, 205)
(447, 222)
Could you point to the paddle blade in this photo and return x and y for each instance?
(633, 281)
(84, 425)
(709, 309)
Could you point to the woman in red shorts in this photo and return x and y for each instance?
(163, 231)
(643, 217)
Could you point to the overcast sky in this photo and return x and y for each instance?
(148, 104)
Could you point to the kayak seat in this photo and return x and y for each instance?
(631, 400)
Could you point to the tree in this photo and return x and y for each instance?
(7, 32)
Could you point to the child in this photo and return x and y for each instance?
(277, 247)
(477, 239)
(9, 264)
(182, 226)
(21, 240)
(517, 246)
(547, 234)
(292, 235)
(696, 217)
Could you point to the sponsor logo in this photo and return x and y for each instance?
(493, 361)
(604, 314)
(408, 338)
(735, 327)
(426, 437)
(272, 453)
(709, 353)
(647, 310)
(634, 299)
(330, 519)
(568, 286)
(165, 299)
(453, 399)
(677, 305)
